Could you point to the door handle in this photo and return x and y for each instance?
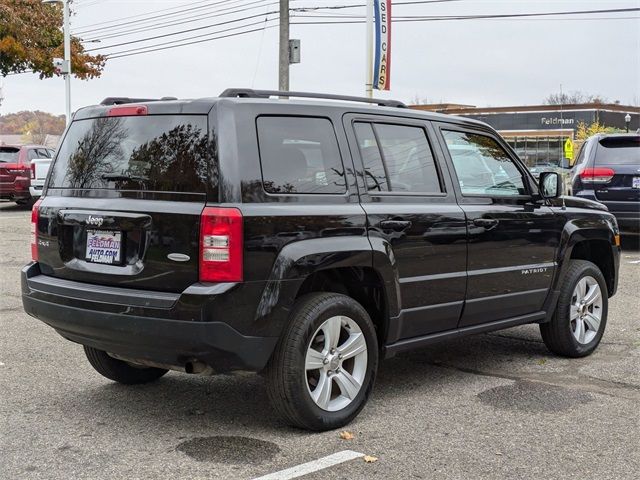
(397, 225)
(487, 223)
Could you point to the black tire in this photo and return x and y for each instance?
(286, 374)
(120, 371)
(26, 202)
(557, 334)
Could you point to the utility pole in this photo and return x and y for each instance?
(283, 56)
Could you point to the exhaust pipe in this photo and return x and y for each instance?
(196, 367)
(193, 367)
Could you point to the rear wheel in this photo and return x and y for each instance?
(581, 314)
(324, 366)
(120, 371)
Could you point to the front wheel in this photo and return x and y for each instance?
(580, 318)
(324, 366)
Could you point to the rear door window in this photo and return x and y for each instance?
(300, 155)
(9, 154)
(154, 153)
(397, 158)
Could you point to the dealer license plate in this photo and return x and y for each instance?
(103, 246)
(636, 182)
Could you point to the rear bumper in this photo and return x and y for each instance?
(35, 190)
(99, 317)
(16, 190)
(627, 213)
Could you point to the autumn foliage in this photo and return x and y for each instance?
(27, 121)
(31, 37)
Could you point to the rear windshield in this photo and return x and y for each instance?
(9, 154)
(154, 153)
(618, 151)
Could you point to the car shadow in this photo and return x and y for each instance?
(189, 405)
(14, 207)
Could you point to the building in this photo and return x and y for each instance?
(538, 133)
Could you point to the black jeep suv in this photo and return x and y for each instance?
(304, 240)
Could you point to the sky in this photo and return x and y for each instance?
(474, 62)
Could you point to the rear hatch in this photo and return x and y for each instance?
(10, 168)
(123, 201)
(617, 159)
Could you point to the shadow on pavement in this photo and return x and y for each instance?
(189, 405)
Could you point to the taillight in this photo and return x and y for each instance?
(34, 230)
(33, 170)
(221, 247)
(597, 175)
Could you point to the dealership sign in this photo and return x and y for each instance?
(559, 121)
(382, 68)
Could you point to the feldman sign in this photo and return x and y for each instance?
(382, 69)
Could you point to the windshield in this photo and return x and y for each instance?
(9, 154)
(618, 151)
(155, 153)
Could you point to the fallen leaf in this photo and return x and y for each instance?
(498, 453)
(344, 435)
(542, 361)
(370, 458)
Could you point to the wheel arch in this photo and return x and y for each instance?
(348, 265)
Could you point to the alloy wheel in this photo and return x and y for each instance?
(336, 363)
(586, 310)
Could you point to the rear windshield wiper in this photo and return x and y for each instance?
(123, 177)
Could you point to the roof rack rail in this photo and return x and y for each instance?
(121, 100)
(250, 93)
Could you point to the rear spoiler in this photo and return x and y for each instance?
(122, 100)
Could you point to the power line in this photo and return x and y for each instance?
(192, 43)
(156, 37)
(172, 23)
(430, 18)
(221, 2)
(118, 20)
(260, 22)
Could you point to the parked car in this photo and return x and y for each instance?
(607, 169)
(304, 240)
(538, 168)
(15, 172)
(40, 163)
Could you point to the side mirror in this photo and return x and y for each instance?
(550, 184)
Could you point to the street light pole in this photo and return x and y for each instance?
(66, 67)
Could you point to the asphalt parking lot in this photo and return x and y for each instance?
(490, 406)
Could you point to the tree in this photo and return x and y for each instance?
(21, 122)
(31, 37)
(570, 98)
(587, 130)
(34, 132)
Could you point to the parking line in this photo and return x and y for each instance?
(313, 466)
(15, 216)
